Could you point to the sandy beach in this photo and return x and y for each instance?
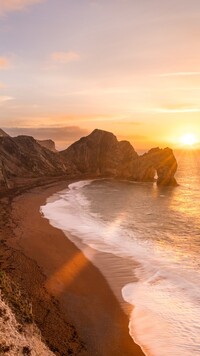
(83, 317)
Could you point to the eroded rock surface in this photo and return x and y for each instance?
(161, 160)
(99, 154)
(49, 144)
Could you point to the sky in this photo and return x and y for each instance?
(127, 66)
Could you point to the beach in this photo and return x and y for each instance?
(73, 304)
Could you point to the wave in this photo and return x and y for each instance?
(165, 296)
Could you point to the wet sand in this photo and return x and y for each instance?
(58, 268)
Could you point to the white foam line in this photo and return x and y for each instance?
(166, 290)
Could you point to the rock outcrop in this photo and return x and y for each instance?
(99, 154)
(23, 157)
(49, 144)
(3, 133)
(160, 161)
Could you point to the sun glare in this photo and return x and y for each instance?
(188, 139)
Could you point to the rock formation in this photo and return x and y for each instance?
(160, 160)
(23, 157)
(49, 144)
(99, 154)
(3, 133)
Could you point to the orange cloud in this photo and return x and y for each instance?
(4, 63)
(180, 74)
(177, 110)
(16, 5)
(5, 98)
(65, 57)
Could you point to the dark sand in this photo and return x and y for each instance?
(46, 263)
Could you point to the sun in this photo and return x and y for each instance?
(188, 139)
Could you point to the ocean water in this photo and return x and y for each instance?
(148, 240)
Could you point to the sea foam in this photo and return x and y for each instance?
(165, 297)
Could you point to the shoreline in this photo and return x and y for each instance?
(84, 296)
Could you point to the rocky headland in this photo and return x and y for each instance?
(24, 159)
(30, 315)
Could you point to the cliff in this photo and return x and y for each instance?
(3, 133)
(162, 161)
(99, 154)
(19, 335)
(49, 144)
(23, 157)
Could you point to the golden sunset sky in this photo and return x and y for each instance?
(131, 67)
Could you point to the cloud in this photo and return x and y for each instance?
(65, 135)
(180, 74)
(5, 98)
(65, 57)
(16, 5)
(4, 63)
(102, 91)
(176, 110)
(177, 107)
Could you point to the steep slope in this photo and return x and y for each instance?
(99, 154)
(23, 157)
(3, 133)
(49, 144)
(162, 161)
(16, 340)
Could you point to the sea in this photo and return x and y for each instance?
(145, 240)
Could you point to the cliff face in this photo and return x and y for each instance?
(49, 144)
(99, 154)
(3, 133)
(23, 157)
(162, 161)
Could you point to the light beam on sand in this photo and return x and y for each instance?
(67, 274)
